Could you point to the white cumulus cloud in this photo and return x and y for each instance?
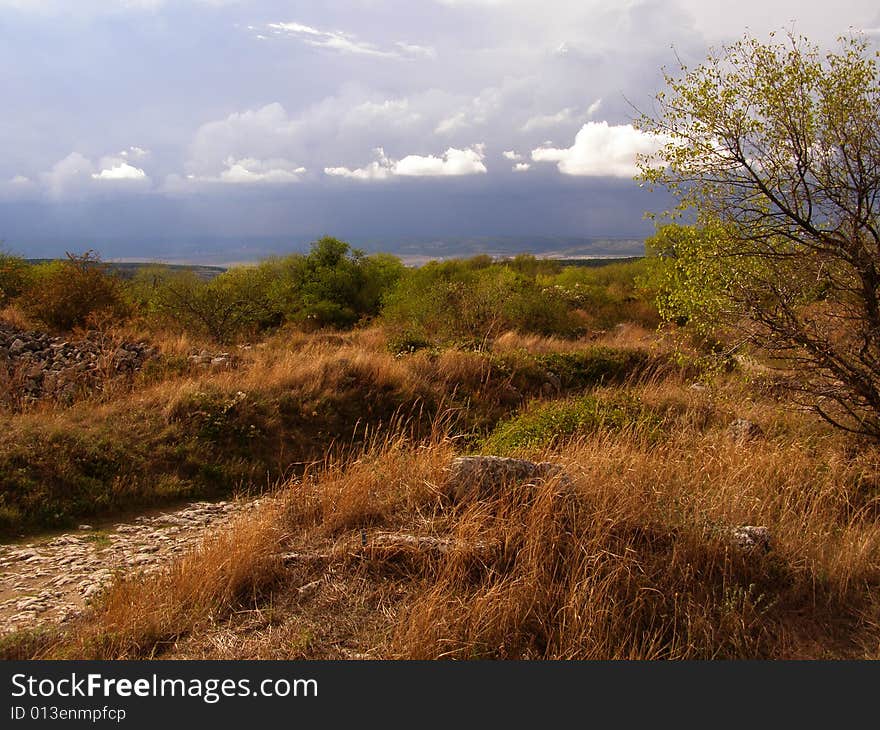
(120, 171)
(240, 171)
(453, 162)
(521, 167)
(601, 150)
(250, 170)
(77, 175)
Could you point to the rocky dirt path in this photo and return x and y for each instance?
(51, 580)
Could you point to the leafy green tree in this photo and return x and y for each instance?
(774, 149)
(334, 285)
(689, 282)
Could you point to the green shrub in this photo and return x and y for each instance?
(232, 421)
(608, 294)
(66, 294)
(230, 306)
(546, 423)
(15, 274)
(594, 366)
(332, 286)
(472, 300)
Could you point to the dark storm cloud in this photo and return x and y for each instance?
(150, 127)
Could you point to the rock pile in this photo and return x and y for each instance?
(41, 366)
(214, 361)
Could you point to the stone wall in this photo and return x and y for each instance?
(39, 366)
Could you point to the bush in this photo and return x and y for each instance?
(472, 301)
(594, 366)
(66, 294)
(334, 285)
(607, 295)
(230, 306)
(14, 276)
(548, 422)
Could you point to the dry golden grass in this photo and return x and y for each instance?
(634, 560)
(639, 562)
(14, 316)
(365, 556)
(516, 341)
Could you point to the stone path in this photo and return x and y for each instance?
(51, 580)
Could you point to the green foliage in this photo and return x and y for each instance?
(546, 423)
(472, 301)
(531, 266)
(229, 420)
(229, 306)
(65, 294)
(332, 286)
(774, 148)
(594, 366)
(688, 281)
(606, 295)
(14, 276)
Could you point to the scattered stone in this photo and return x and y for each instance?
(485, 476)
(743, 429)
(51, 581)
(309, 588)
(216, 361)
(751, 537)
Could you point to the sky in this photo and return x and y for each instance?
(223, 130)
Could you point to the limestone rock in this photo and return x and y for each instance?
(751, 537)
(486, 476)
(743, 429)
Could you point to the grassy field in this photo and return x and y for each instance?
(363, 550)
(181, 431)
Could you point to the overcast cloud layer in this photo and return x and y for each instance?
(180, 128)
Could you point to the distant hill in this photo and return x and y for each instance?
(128, 269)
